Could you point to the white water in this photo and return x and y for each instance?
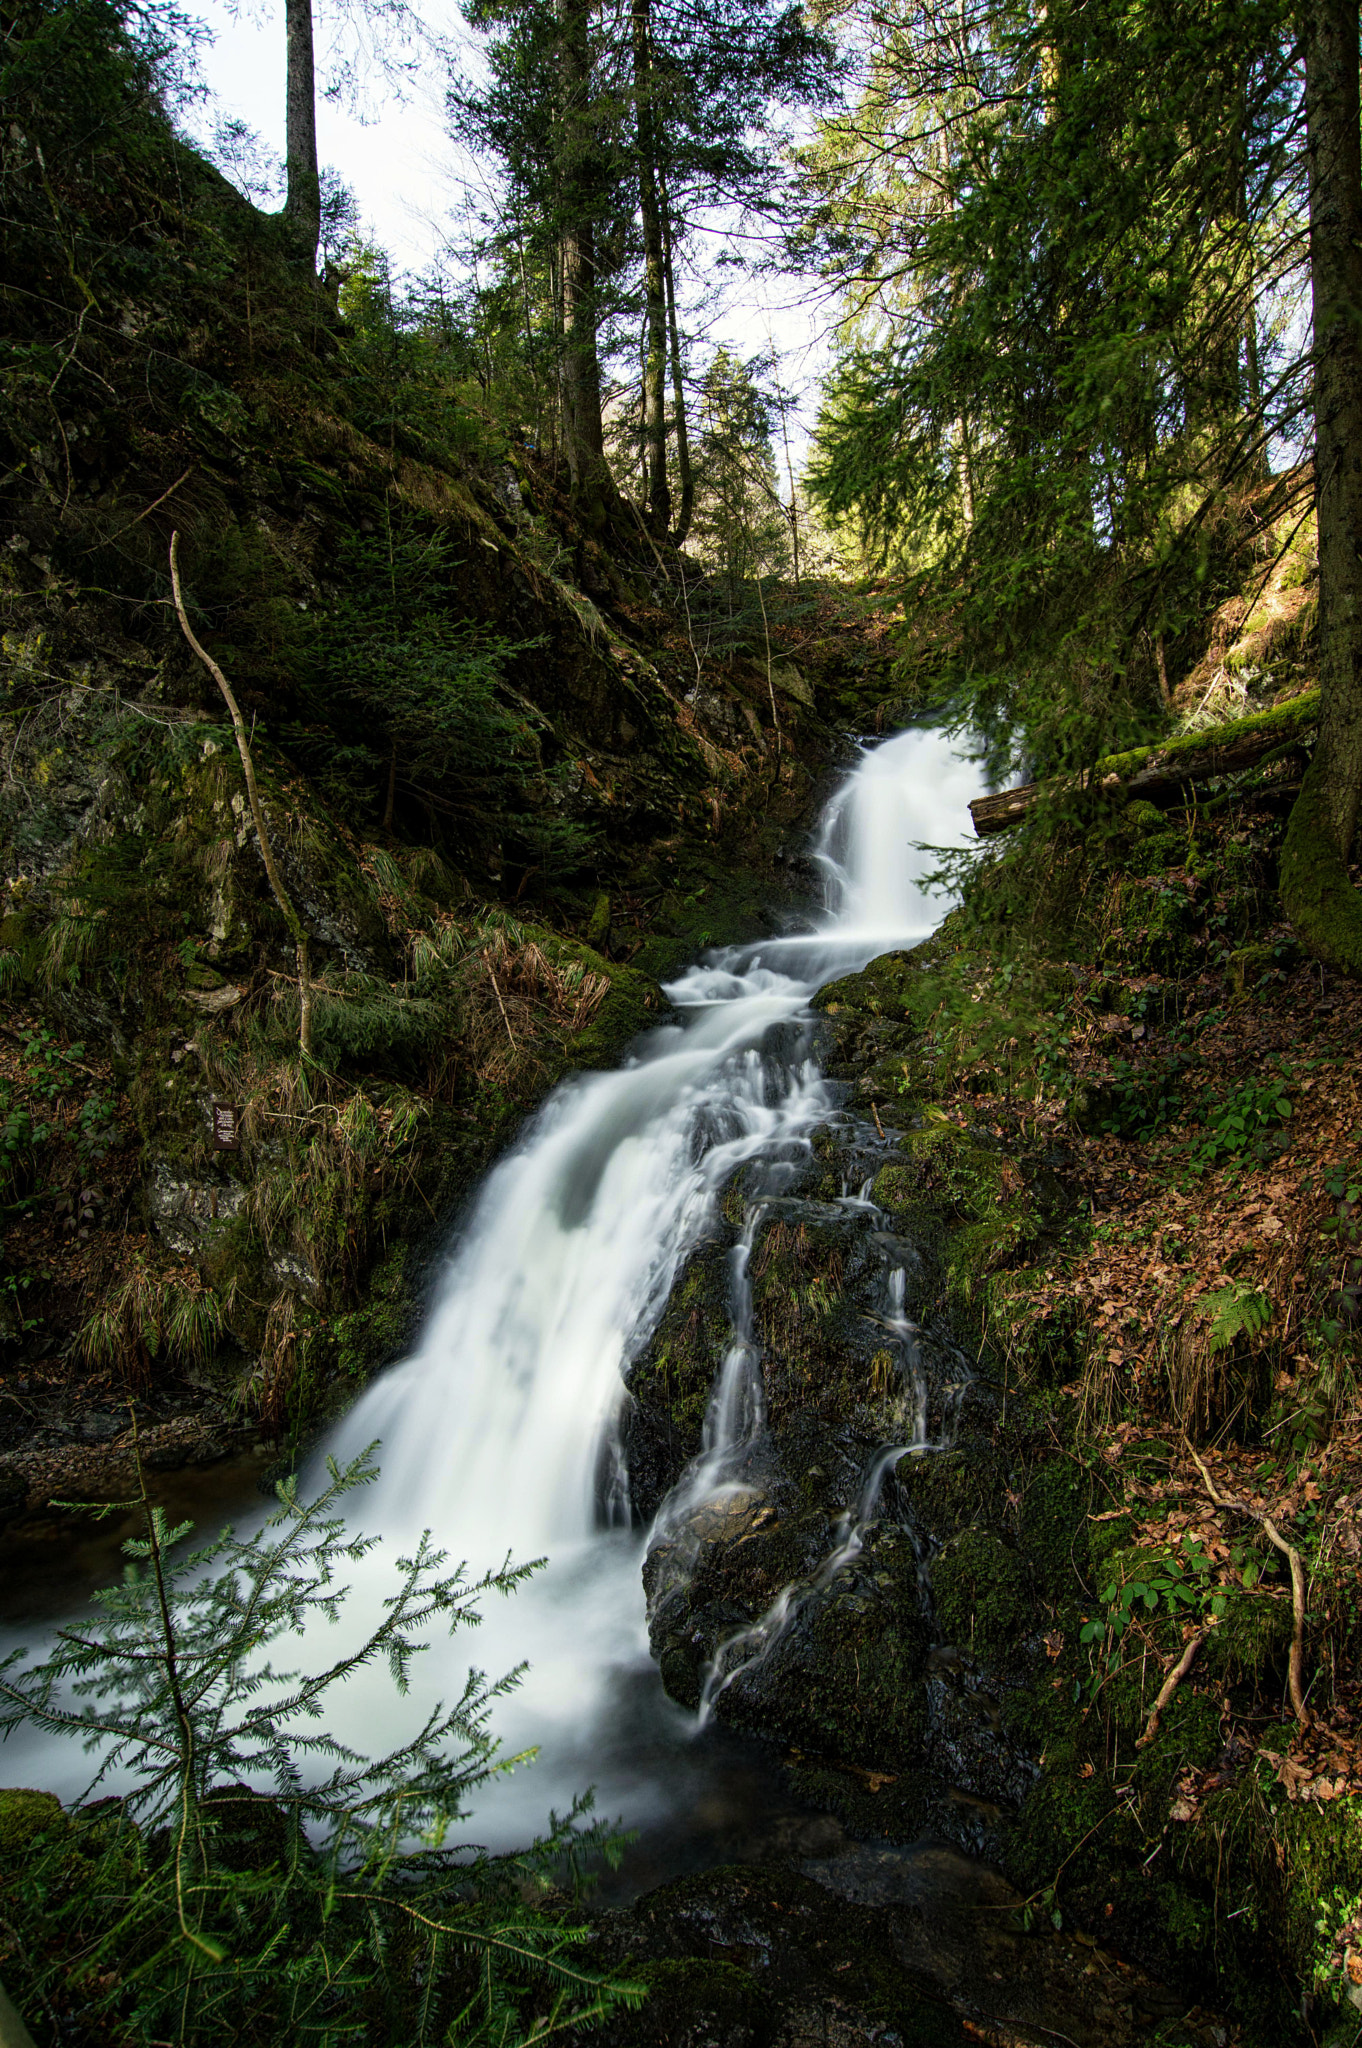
(496, 1434)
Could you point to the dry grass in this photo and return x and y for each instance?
(152, 1318)
(517, 997)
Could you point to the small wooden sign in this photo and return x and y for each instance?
(226, 1129)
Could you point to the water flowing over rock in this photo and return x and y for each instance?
(669, 1220)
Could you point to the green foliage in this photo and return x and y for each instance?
(402, 687)
(740, 529)
(1055, 241)
(1241, 1126)
(1236, 1311)
(438, 370)
(329, 1906)
(33, 1135)
(1143, 1101)
(1176, 1583)
(148, 1318)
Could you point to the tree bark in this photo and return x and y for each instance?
(1316, 889)
(581, 369)
(683, 468)
(654, 278)
(303, 205)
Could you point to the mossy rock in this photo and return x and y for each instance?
(372, 1335)
(797, 1964)
(1107, 1542)
(883, 989)
(698, 1999)
(26, 1818)
(983, 1601)
(896, 1187)
(946, 1493)
(1248, 964)
(807, 1313)
(970, 1175)
(1054, 1527)
(1165, 847)
(671, 1382)
(633, 1004)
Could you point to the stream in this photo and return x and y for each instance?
(502, 1432)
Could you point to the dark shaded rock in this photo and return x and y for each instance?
(747, 1958)
(908, 1947)
(669, 1385)
(982, 1595)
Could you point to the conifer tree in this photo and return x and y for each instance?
(615, 130)
(740, 524)
(1054, 235)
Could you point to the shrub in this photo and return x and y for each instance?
(261, 1881)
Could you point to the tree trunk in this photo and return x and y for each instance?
(581, 371)
(966, 469)
(1253, 376)
(1316, 889)
(303, 206)
(683, 468)
(654, 281)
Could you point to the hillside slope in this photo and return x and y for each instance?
(502, 784)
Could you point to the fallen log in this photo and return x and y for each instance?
(1160, 774)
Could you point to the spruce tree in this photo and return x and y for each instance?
(1054, 236)
(1316, 887)
(615, 131)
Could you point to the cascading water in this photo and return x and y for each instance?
(500, 1433)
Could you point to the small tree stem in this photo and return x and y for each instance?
(281, 895)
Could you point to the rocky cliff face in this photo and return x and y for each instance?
(908, 1587)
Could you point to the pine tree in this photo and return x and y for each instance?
(740, 525)
(1053, 235)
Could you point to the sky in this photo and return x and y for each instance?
(412, 185)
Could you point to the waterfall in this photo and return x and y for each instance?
(494, 1434)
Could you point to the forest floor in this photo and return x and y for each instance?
(1180, 1093)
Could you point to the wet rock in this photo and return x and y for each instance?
(867, 1613)
(982, 1595)
(749, 1958)
(967, 1742)
(908, 1947)
(191, 1212)
(669, 1385)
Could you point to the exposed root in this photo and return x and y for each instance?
(1168, 1688)
(1295, 1667)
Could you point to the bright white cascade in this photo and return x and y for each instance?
(498, 1433)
